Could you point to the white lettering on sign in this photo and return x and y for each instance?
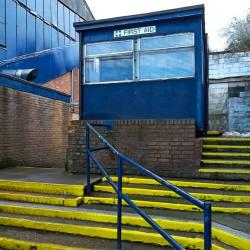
(135, 31)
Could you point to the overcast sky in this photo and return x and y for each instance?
(217, 12)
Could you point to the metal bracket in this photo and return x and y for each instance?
(109, 123)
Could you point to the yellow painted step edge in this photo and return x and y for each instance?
(231, 162)
(13, 244)
(225, 146)
(42, 187)
(42, 199)
(225, 237)
(225, 139)
(213, 132)
(163, 205)
(106, 233)
(224, 171)
(150, 192)
(182, 184)
(225, 154)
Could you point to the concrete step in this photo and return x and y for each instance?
(94, 220)
(185, 183)
(161, 191)
(225, 173)
(41, 239)
(168, 203)
(104, 231)
(13, 238)
(229, 163)
(46, 188)
(61, 200)
(226, 141)
(226, 155)
(226, 148)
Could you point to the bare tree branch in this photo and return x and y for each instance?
(237, 33)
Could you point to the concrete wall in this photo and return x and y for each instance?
(223, 65)
(229, 106)
(167, 147)
(229, 96)
(33, 129)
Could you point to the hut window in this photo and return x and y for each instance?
(108, 62)
(167, 57)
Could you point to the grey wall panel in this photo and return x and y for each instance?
(80, 7)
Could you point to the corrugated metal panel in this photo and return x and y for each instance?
(2, 33)
(2, 11)
(47, 36)
(54, 12)
(39, 34)
(77, 19)
(11, 28)
(21, 31)
(71, 27)
(66, 40)
(66, 20)
(54, 35)
(23, 1)
(31, 33)
(61, 39)
(60, 16)
(2, 26)
(39, 7)
(47, 14)
(32, 4)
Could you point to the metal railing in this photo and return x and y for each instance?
(206, 206)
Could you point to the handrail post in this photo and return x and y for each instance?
(119, 208)
(207, 226)
(87, 161)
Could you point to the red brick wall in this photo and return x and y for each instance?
(63, 83)
(33, 130)
(166, 147)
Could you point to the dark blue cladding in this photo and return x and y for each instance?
(147, 100)
(30, 28)
(28, 87)
(51, 64)
(177, 98)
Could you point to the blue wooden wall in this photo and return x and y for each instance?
(38, 34)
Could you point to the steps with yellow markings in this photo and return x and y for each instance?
(226, 158)
(60, 200)
(95, 225)
(55, 223)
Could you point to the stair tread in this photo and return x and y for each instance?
(226, 160)
(226, 170)
(37, 194)
(95, 226)
(226, 153)
(225, 146)
(225, 139)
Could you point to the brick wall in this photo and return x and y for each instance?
(63, 83)
(33, 130)
(167, 147)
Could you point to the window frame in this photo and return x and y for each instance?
(86, 57)
(136, 45)
(4, 46)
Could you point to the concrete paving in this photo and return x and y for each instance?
(46, 175)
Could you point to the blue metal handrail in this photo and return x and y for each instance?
(206, 206)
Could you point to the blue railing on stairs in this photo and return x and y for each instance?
(206, 206)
